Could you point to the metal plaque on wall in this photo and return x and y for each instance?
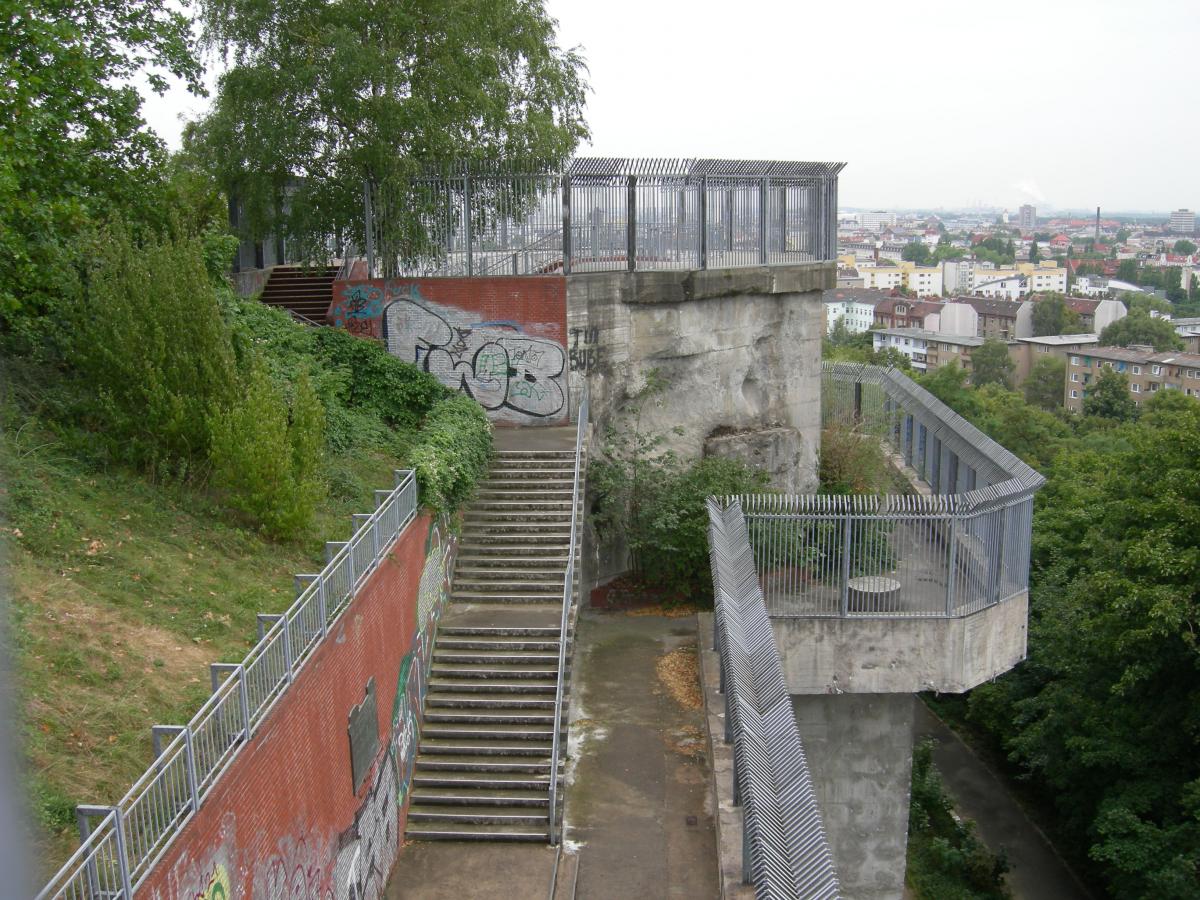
(363, 728)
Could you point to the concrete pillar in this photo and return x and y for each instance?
(859, 749)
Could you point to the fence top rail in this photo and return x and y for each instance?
(946, 422)
(648, 167)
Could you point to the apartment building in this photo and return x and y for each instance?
(1183, 221)
(1025, 352)
(902, 312)
(926, 349)
(1016, 281)
(1027, 218)
(1148, 372)
(997, 316)
(854, 307)
(958, 275)
(924, 281)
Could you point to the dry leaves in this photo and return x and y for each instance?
(679, 671)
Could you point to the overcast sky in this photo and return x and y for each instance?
(1056, 102)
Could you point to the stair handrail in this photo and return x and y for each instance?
(568, 599)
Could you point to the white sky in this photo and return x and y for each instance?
(1063, 103)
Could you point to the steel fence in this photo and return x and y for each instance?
(952, 549)
(122, 843)
(568, 605)
(785, 853)
(602, 214)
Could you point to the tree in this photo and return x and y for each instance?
(991, 364)
(323, 97)
(1122, 235)
(73, 145)
(1139, 328)
(1108, 397)
(1045, 384)
(1034, 255)
(1127, 270)
(1184, 247)
(1145, 302)
(916, 252)
(1051, 315)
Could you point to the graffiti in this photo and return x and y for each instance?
(588, 356)
(218, 887)
(295, 873)
(358, 310)
(506, 371)
(367, 849)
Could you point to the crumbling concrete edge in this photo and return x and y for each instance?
(726, 816)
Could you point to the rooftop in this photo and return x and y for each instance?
(924, 334)
(1058, 340)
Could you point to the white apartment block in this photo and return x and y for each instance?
(1012, 287)
(877, 219)
(912, 342)
(1183, 221)
(925, 281)
(857, 315)
(1042, 280)
(1027, 219)
(881, 278)
(958, 276)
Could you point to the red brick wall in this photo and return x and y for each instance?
(499, 340)
(284, 820)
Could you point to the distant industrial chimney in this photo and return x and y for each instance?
(1097, 224)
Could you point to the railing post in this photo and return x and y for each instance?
(566, 226)
(631, 223)
(1001, 515)
(951, 564)
(190, 763)
(703, 215)
(244, 699)
(764, 187)
(467, 224)
(122, 856)
(847, 531)
(858, 401)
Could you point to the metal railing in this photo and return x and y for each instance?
(122, 843)
(785, 853)
(602, 214)
(565, 624)
(958, 546)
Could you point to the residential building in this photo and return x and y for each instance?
(1009, 287)
(848, 277)
(1148, 372)
(926, 349)
(1016, 281)
(1028, 350)
(854, 307)
(903, 312)
(877, 219)
(881, 278)
(1027, 220)
(924, 281)
(1183, 221)
(958, 275)
(997, 316)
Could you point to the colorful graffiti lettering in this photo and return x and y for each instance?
(368, 848)
(507, 372)
(218, 887)
(358, 310)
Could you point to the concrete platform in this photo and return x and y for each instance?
(559, 437)
(446, 870)
(484, 615)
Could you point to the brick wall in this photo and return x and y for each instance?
(285, 819)
(499, 340)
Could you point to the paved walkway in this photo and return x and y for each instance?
(1036, 872)
(638, 801)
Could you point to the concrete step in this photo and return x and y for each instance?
(487, 731)
(534, 454)
(473, 764)
(438, 831)
(548, 483)
(494, 642)
(515, 631)
(461, 795)
(492, 747)
(513, 658)
(474, 815)
(484, 598)
(482, 781)
(500, 579)
(537, 534)
(445, 672)
(517, 687)
(469, 702)
(490, 517)
(486, 555)
(485, 717)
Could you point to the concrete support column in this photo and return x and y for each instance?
(859, 749)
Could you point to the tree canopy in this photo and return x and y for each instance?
(326, 96)
(991, 364)
(1044, 386)
(917, 252)
(1139, 328)
(1184, 247)
(1051, 315)
(1108, 397)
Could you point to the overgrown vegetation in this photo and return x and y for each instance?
(946, 861)
(1100, 722)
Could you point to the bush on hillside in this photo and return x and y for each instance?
(153, 354)
(267, 453)
(451, 452)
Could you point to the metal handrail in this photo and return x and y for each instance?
(116, 856)
(564, 626)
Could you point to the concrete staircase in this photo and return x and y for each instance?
(483, 765)
(305, 292)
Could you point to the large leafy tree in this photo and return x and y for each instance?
(1108, 398)
(73, 145)
(992, 364)
(327, 95)
(1140, 328)
(1051, 315)
(1044, 386)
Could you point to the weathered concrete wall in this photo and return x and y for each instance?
(859, 751)
(739, 349)
(902, 656)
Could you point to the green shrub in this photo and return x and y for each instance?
(451, 452)
(154, 356)
(267, 457)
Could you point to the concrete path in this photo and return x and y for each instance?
(638, 800)
(1036, 872)
(448, 870)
